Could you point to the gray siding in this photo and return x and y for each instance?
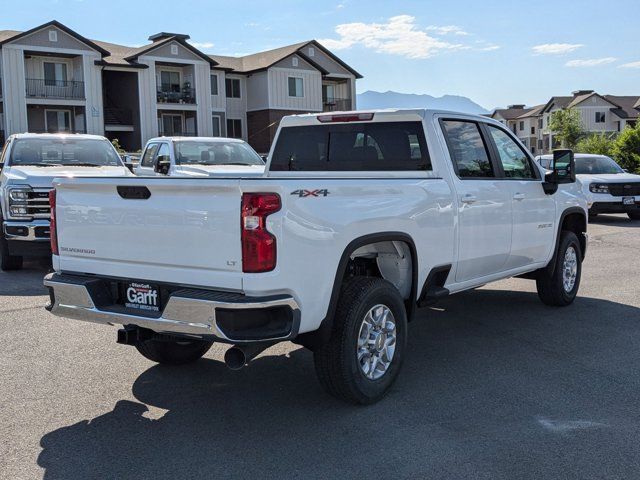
(165, 51)
(41, 39)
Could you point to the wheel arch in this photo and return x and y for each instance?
(321, 335)
(573, 219)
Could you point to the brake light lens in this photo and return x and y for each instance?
(258, 244)
(346, 117)
(53, 231)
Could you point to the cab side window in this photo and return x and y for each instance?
(515, 163)
(164, 150)
(149, 155)
(467, 149)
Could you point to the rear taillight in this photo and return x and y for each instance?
(258, 244)
(53, 233)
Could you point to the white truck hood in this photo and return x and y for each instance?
(43, 176)
(218, 170)
(609, 178)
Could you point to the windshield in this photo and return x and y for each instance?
(596, 166)
(56, 151)
(216, 153)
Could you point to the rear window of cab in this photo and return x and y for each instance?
(384, 146)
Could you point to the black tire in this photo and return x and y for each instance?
(8, 262)
(634, 215)
(551, 288)
(173, 353)
(336, 362)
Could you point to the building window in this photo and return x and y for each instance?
(234, 128)
(540, 144)
(55, 74)
(214, 84)
(294, 61)
(232, 87)
(312, 51)
(521, 126)
(171, 125)
(533, 130)
(174, 49)
(169, 81)
(540, 123)
(296, 87)
(57, 121)
(53, 36)
(216, 126)
(600, 117)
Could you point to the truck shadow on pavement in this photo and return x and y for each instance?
(488, 377)
(25, 282)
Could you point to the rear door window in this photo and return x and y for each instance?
(385, 146)
(467, 149)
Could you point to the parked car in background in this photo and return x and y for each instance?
(29, 162)
(198, 157)
(361, 218)
(608, 188)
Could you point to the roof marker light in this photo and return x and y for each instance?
(346, 117)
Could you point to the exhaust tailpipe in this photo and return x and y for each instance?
(240, 355)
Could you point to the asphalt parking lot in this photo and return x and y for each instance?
(495, 386)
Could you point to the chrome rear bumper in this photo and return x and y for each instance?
(187, 312)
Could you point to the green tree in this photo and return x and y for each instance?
(567, 126)
(626, 149)
(598, 143)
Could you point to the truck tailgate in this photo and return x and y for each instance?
(186, 232)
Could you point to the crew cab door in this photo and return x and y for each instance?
(533, 211)
(483, 204)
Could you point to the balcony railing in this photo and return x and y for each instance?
(336, 104)
(60, 89)
(186, 95)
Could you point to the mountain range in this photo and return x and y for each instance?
(372, 100)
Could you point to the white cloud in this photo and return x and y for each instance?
(446, 30)
(555, 48)
(630, 65)
(590, 62)
(202, 45)
(398, 36)
(489, 48)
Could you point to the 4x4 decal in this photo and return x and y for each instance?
(311, 193)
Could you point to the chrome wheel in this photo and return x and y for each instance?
(376, 342)
(569, 269)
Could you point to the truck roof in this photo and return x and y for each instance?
(58, 135)
(196, 139)
(387, 114)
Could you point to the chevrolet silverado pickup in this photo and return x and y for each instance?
(199, 157)
(28, 164)
(359, 219)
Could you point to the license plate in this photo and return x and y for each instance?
(628, 201)
(142, 296)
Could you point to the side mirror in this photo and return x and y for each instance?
(563, 170)
(163, 163)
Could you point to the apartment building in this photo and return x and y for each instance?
(599, 114)
(54, 79)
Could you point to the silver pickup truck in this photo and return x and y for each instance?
(28, 164)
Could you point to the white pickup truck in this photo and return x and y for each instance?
(199, 157)
(28, 164)
(361, 218)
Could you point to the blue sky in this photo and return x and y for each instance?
(495, 52)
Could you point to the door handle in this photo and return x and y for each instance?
(518, 196)
(468, 198)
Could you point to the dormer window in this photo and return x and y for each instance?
(174, 49)
(53, 36)
(312, 51)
